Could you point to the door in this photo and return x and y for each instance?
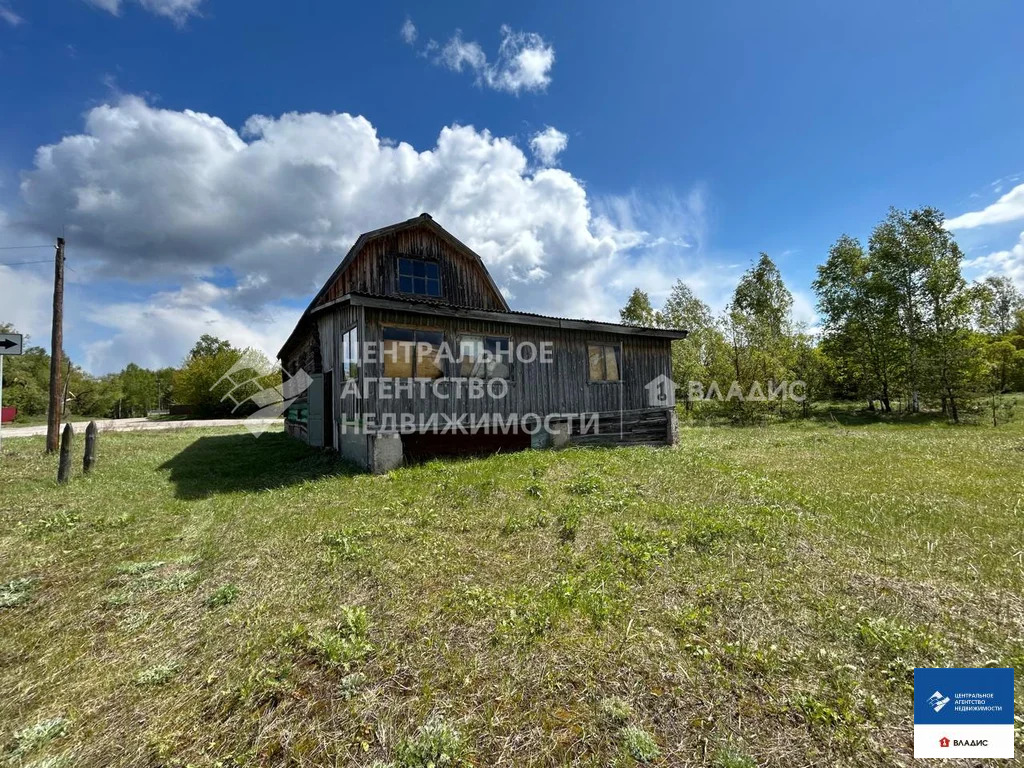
(329, 409)
(315, 419)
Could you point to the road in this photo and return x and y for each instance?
(134, 425)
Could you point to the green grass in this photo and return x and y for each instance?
(754, 596)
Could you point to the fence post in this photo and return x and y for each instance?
(64, 468)
(90, 447)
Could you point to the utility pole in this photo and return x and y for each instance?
(56, 346)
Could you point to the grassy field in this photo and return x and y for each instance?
(755, 596)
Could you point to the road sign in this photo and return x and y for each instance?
(10, 344)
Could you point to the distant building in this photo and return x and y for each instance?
(411, 324)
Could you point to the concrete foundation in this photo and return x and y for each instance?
(384, 452)
(378, 453)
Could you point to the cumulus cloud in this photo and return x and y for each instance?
(8, 15)
(408, 31)
(175, 10)
(1009, 207)
(161, 330)
(1009, 263)
(523, 63)
(548, 144)
(269, 210)
(25, 299)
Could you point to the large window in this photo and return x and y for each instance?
(604, 362)
(485, 357)
(419, 276)
(412, 353)
(350, 355)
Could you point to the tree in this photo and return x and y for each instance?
(200, 382)
(697, 357)
(638, 311)
(138, 390)
(758, 327)
(859, 323)
(998, 304)
(209, 346)
(26, 378)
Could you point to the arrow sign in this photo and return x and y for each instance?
(10, 344)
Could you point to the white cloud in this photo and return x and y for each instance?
(160, 330)
(1009, 263)
(177, 11)
(1009, 207)
(25, 301)
(408, 31)
(162, 195)
(548, 144)
(8, 15)
(524, 60)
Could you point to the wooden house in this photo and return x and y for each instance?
(411, 326)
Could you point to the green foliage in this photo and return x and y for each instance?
(639, 744)
(200, 382)
(614, 710)
(435, 745)
(42, 733)
(638, 311)
(223, 595)
(16, 592)
(346, 642)
(157, 675)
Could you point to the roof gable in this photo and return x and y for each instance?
(370, 265)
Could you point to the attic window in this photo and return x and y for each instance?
(419, 276)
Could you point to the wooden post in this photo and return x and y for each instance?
(56, 348)
(64, 468)
(90, 447)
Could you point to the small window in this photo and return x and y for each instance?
(350, 354)
(411, 353)
(419, 276)
(604, 362)
(485, 357)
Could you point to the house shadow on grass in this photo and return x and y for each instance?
(240, 462)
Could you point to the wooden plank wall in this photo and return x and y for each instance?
(559, 387)
(375, 270)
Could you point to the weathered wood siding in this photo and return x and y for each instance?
(375, 270)
(561, 386)
(303, 353)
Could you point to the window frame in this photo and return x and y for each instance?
(617, 346)
(412, 261)
(483, 336)
(343, 361)
(414, 329)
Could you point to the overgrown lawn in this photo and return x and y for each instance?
(754, 596)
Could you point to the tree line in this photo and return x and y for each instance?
(901, 329)
(136, 391)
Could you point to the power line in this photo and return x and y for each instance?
(21, 263)
(19, 247)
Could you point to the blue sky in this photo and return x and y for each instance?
(676, 140)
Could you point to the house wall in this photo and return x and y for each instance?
(375, 270)
(561, 386)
